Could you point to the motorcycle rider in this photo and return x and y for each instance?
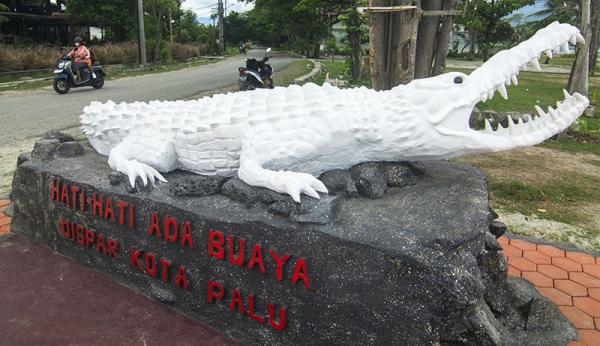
(81, 58)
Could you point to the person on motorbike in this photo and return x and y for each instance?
(81, 58)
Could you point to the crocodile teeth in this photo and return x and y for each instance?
(573, 40)
(488, 126)
(553, 113)
(502, 91)
(566, 93)
(514, 79)
(565, 47)
(536, 64)
(540, 111)
(580, 38)
(491, 94)
(548, 53)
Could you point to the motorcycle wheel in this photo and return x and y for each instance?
(61, 86)
(246, 86)
(99, 83)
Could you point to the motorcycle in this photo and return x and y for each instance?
(242, 49)
(257, 74)
(65, 78)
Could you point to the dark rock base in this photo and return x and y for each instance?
(419, 265)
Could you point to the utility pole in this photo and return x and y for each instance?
(221, 38)
(141, 34)
(171, 26)
(585, 23)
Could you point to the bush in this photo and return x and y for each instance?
(45, 57)
(116, 53)
(184, 52)
(30, 58)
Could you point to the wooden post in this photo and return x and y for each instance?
(585, 24)
(392, 40)
(443, 39)
(426, 38)
(579, 70)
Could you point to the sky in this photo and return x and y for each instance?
(202, 8)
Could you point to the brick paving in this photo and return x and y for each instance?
(4, 219)
(570, 279)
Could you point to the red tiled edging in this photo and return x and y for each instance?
(4, 219)
(570, 279)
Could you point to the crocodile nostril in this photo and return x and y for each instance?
(458, 80)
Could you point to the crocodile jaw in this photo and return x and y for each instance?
(499, 72)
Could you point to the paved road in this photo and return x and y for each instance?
(30, 114)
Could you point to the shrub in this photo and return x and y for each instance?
(45, 57)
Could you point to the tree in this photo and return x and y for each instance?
(299, 24)
(569, 11)
(486, 21)
(186, 27)
(157, 10)
(3, 8)
(117, 17)
(355, 31)
(237, 28)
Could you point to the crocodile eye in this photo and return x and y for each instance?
(458, 80)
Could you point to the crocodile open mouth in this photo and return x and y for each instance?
(502, 71)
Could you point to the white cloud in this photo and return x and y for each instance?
(203, 7)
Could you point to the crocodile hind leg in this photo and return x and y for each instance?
(294, 184)
(144, 155)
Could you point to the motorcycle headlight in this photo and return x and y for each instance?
(61, 64)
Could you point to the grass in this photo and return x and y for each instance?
(559, 197)
(294, 70)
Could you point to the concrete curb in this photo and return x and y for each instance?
(311, 76)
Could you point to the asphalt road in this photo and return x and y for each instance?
(32, 113)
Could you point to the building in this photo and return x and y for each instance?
(35, 21)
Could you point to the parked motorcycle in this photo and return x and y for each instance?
(65, 78)
(257, 74)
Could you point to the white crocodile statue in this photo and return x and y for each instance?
(282, 138)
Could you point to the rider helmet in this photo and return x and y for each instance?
(78, 40)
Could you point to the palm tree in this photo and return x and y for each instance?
(564, 11)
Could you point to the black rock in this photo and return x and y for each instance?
(339, 182)
(491, 243)
(370, 179)
(200, 185)
(23, 157)
(540, 310)
(59, 136)
(417, 167)
(398, 174)
(251, 196)
(312, 210)
(45, 149)
(114, 178)
(419, 267)
(163, 295)
(139, 185)
(497, 228)
(70, 149)
(283, 207)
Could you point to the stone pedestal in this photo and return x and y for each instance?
(417, 266)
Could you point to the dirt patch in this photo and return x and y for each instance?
(535, 164)
(546, 193)
(532, 226)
